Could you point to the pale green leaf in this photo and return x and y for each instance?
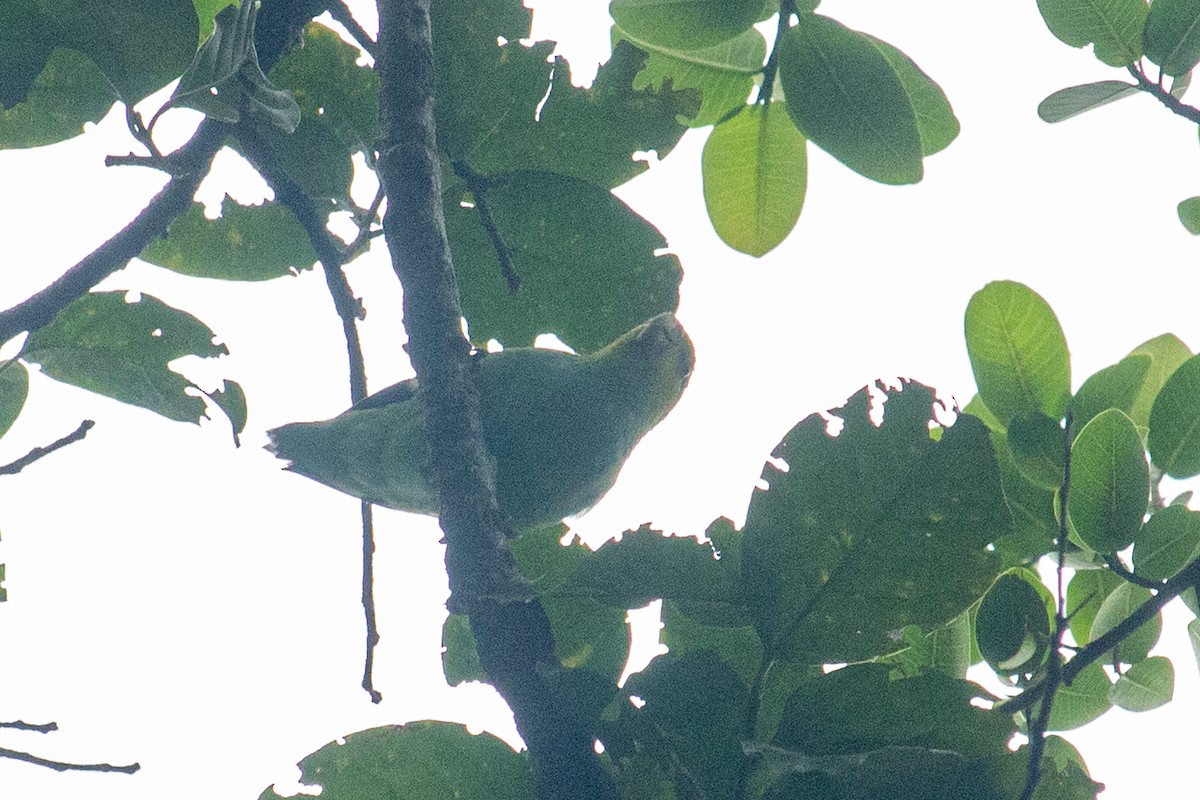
(1082, 701)
(685, 24)
(1074, 100)
(755, 169)
(1189, 214)
(1169, 540)
(1110, 482)
(1174, 438)
(1113, 26)
(1116, 608)
(1146, 685)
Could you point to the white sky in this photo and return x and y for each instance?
(187, 605)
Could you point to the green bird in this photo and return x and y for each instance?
(558, 426)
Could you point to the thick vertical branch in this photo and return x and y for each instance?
(515, 644)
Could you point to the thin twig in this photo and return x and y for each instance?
(41, 452)
(1120, 570)
(478, 187)
(65, 766)
(19, 725)
(341, 13)
(765, 89)
(349, 310)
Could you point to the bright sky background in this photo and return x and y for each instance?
(187, 605)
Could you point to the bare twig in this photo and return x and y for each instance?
(341, 13)
(516, 647)
(65, 766)
(41, 452)
(478, 187)
(1176, 106)
(46, 727)
(765, 89)
(368, 602)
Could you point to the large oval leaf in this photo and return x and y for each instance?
(1145, 686)
(755, 168)
(1174, 438)
(1172, 35)
(1012, 626)
(1018, 352)
(685, 24)
(1114, 26)
(935, 118)
(1110, 482)
(846, 96)
(1082, 701)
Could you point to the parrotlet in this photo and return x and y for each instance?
(558, 426)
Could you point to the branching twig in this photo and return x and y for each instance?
(516, 647)
(192, 161)
(41, 452)
(349, 309)
(341, 13)
(64, 766)
(477, 184)
(1169, 100)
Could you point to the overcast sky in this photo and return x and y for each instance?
(178, 602)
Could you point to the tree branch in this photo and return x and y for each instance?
(41, 452)
(1176, 106)
(46, 727)
(515, 645)
(341, 13)
(64, 766)
(191, 164)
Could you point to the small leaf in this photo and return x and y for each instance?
(1012, 627)
(232, 400)
(1180, 84)
(1146, 685)
(1169, 540)
(685, 24)
(1037, 447)
(122, 349)
(1174, 438)
(14, 387)
(1115, 609)
(1189, 214)
(1172, 35)
(1074, 100)
(755, 169)
(246, 243)
(847, 98)
(1110, 482)
(1114, 26)
(1085, 699)
(1018, 351)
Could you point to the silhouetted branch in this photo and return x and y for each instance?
(41, 452)
(46, 727)
(65, 766)
(342, 14)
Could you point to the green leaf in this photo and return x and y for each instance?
(935, 118)
(1074, 100)
(1115, 609)
(1082, 701)
(685, 24)
(1110, 482)
(723, 73)
(1174, 438)
(586, 262)
(1034, 524)
(232, 400)
(1037, 447)
(1018, 351)
(847, 98)
(645, 565)
(1118, 386)
(1193, 629)
(1012, 627)
(417, 761)
(1172, 35)
(738, 647)
(1085, 593)
(693, 720)
(67, 93)
(118, 37)
(1114, 26)
(755, 169)
(1168, 353)
(25, 45)
(460, 651)
(1169, 541)
(14, 388)
(946, 649)
(207, 11)
(246, 243)
(1146, 685)
(112, 346)
(870, 530)
(1189, 214)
